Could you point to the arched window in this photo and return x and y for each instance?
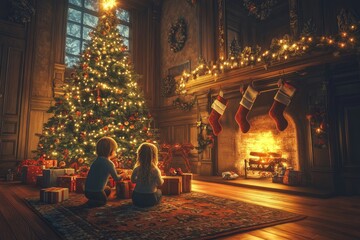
(81, 20)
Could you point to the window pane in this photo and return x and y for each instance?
(124, 30)
(74, 15)
(126, 43)
(92, 5)
(84, 45)
(90, 20)
(70, 61)
(72, 46)
(75, 2)
(123, 15)
(73, 29)
(86, 32)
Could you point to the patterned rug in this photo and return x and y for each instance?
(187, 216)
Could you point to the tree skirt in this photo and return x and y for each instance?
(187, 216)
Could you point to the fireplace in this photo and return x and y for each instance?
(263, 141)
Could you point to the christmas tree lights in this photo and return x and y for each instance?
(101, 98)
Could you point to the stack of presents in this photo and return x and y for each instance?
(57, 182)
(288, 177)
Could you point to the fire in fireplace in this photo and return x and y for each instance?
(265, 147)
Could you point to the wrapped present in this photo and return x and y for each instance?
(186, 182)
(29, 173)
(111, 182)
(50, 163)
(292, 178)
(127, 172)
(26, 162)
(54, 194)
(39, 180)
(67, 181)
(51, 175)
(10, 175)
(83, 170)
(80, 184)
(124, 189)
(172, 185)
(277, 179)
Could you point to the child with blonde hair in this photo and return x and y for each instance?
(95, 186)
(147, 177)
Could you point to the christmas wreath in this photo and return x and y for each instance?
(204, 138)
(260, 10)
(184, 105)
(177, 35)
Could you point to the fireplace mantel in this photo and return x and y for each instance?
(296, 65)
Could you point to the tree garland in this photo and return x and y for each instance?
(259, 10)
(204, 139)
(177, 35)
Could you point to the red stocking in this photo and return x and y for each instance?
(218, 108)
(282, 99)
(246, 104)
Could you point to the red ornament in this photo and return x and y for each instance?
(132, 126)
(106, 128)
(78, 113)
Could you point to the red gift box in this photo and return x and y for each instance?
(49, 163)
(80, 184)
(172, 185)
(186, 182)
(111, 182)
(67, 181)
(29, 173)
(54, 194)
(124, 189)
(25, 163)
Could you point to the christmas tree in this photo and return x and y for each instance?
(101, 98)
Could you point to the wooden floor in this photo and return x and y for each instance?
(331, 218)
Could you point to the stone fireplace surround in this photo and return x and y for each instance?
(309, 74)
(326, 80)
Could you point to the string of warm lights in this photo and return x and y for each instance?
(280, 50)
(101, 98)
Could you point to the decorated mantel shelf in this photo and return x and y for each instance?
(232, 78)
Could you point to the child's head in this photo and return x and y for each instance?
(147, 154)
(106, 147)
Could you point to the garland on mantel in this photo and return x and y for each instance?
(280, 50)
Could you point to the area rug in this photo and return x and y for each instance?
(186, 216)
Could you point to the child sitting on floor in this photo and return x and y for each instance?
(147, 177)
(95, 186)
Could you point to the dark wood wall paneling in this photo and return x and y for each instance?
(334, 167)
(12, 49)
